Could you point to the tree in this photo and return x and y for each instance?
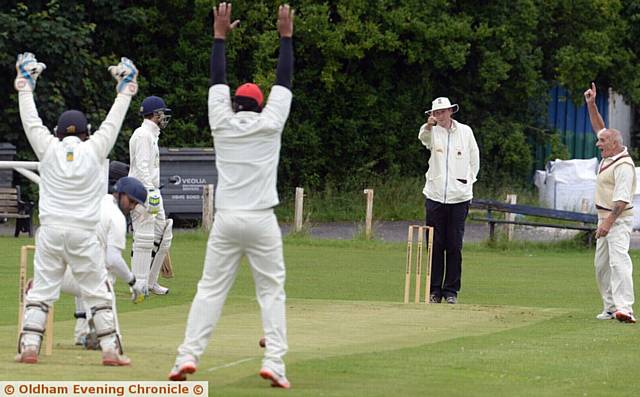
(365, 72)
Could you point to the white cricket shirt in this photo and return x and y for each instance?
(72, 172)
(145, 155)
(112, 229)
(247, 149)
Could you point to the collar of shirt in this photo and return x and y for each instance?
(624, 152)
(153, 127)
(71, 139)
(454, 126)
(609, 160)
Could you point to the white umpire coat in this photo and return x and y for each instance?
(453, 165)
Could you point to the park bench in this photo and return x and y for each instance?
(577, 220)
(12, 206)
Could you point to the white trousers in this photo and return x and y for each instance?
(59, 247)
(257, 235)
(148, 231)
(614, 268)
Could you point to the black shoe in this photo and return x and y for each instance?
(452, 300)
(435, 298)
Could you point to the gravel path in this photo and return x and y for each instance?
(397, 231)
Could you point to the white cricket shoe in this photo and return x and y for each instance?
(276, 380)
(184, 366)
(158, 289)
(605, 315)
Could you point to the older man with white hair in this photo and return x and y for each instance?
(453, 169)
(615, 187)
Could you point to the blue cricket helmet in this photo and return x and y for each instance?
(132, 188)
(152, 104)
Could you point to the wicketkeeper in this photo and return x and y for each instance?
(69, 203)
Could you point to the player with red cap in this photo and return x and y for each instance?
(247, 138)
(249, 91)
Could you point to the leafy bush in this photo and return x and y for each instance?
(364, 72)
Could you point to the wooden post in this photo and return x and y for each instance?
(369, 216)
(24, 258)
(298, 211)
(48, 333)
(584, 206)
(511, 199)
(23, 277)
(421, 231)
(407, 271)
(427, 283)
(207, 207)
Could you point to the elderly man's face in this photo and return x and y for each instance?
(607, 144)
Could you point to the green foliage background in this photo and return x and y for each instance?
(365, 72)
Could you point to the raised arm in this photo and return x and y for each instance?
(284, 71)
(28, 69)
(126, 76)
(279, 101)
(222, 25)
(597, 123)
(219, 101)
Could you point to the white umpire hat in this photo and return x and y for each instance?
(442, 103)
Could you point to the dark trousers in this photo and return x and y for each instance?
(448, 222)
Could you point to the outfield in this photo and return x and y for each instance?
(524, 326)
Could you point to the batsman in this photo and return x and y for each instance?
(152, 231)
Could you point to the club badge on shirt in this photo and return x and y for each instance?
(69, 155)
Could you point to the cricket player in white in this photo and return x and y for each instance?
(69, 203)
(125, 194)
(615, 187)
(247, 139)
(152, 231)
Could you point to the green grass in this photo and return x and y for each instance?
(524, 327)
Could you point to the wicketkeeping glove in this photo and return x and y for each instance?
(126, 75)
(28, 69)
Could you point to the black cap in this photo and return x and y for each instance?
(71, 122)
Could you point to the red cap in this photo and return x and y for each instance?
(252, 91)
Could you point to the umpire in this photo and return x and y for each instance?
(453, 169)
